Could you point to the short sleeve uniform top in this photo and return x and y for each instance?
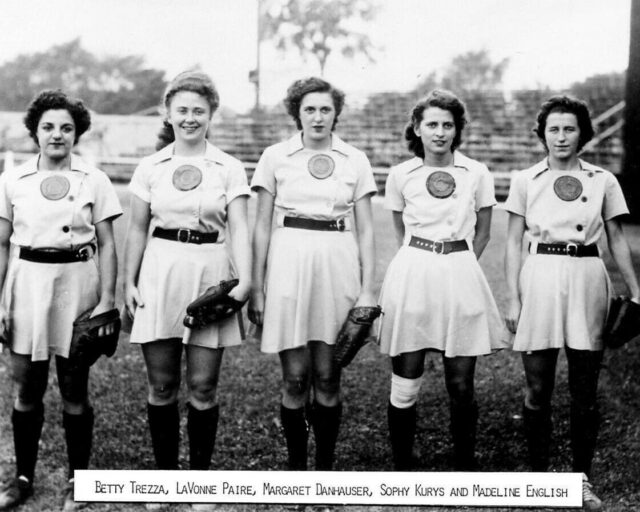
(440, 203)
(189, 192)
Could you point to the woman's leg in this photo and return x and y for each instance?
(540, 373)
(458, 374)
(162, 359)
(326, 411)
(296, 364)
(203, 370)
(406, 378)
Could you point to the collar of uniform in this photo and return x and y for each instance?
(31, 166)
(294, 144)
(459, 160)
(211, 153)
(543, 166)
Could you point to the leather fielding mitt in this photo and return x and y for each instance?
(213, 305)
(354, 333)
(623, 322)
(86, 345)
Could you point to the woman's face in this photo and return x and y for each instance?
(56, 134)
(562, 135)
(317, 114)
(436, 130)
(189, 114)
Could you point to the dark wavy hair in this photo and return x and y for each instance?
(565, 104)
(193, 81)
(300, 88)
(56, 100)
(438, 98)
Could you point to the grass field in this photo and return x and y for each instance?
(249, 432)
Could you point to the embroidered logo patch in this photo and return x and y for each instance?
(54, 187)
(441, 184)
(567, 188)
(321, 166)
(187, 177)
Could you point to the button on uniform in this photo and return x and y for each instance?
(65, 229)
(579, 227)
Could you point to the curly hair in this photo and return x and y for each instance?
(56, 100)
(565, 104)
(444, 100)
(300, 88)
(192, 81)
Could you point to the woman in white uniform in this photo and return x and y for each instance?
(186, 196)
(435, 296)
(311, 269)
(58, 211)
(560, 296)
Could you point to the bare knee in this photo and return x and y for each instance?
(327, 388)
(202, 392)
(163, 391)
(538, 393)
(295, 389)
(460, 389)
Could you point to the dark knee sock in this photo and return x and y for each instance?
(164, 425)
(296, 433)
(326, 425)
(201, 427)
(78, 431)
(537, 429)
(27, 427)
(464, 418)
(584, 434)
(402, 431)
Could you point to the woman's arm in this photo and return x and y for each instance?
(483, 230)
(108, 266)
(239, 231)
(512, 269)
(398, 227)
(261, 241)
(6, 228)
(622, 256)
(366, 246)
(135, 244)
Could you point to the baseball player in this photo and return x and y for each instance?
(560, 296)
(185, 195)
(311, 271)
(435, 296)
(58, 212)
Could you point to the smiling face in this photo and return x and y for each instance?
(317, 116)
(436, 131)
(562, 136)
(56, 134)
(189, 114)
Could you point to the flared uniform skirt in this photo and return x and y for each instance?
(172, 275)
(313, 279)
(43, 300)
(565, 301)
(438, 302)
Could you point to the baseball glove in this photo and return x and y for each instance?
(86, 345)
(354, 332)
(623, 322)
(213, 305)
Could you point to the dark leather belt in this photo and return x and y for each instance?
(83, 253)
(439, 247)
(317, 225)
(186, 236)
(569, 249)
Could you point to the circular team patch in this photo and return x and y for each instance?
(321, 166)
(441, 184)
(567, 188)
(187, 177)
(54, 187)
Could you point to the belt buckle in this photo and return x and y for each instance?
(572, 249)
(434, 247)
(340, 224)
(187, 238)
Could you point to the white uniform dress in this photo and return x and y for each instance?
(52, 210)
(435, 301)
(185, 193)
(313, 277)
(564, 299)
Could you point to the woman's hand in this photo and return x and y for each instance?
(256, 307)
(4, 326)
(366, 299)
(240, 292)
(132, 299)
(513, 314)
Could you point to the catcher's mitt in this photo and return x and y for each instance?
(213, 305)
(623, 322)
(354, 332)
(86, 346)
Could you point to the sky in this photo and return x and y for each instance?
(547, 42)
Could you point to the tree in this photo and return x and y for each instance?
(631, 133)
(319, 27)
(109, 85)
